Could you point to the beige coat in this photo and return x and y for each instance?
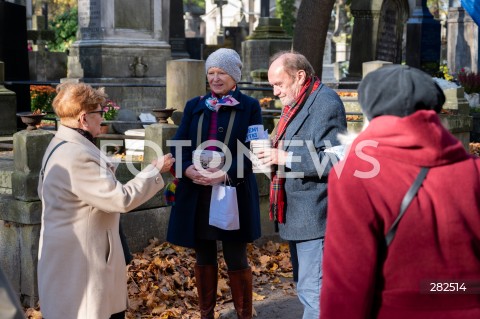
(81, 267)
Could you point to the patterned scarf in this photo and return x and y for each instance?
(214, 103)
(277, 185)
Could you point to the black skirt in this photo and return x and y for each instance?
(202, 228)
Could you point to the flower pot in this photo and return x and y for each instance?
(104, 129)
(32, 120)
(162, 115)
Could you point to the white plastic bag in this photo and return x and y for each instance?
(224, 207)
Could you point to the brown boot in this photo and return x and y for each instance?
(241, 286)
(206, 278)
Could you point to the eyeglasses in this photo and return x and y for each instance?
(101, 112)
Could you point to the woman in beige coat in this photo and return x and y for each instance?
(81, 266)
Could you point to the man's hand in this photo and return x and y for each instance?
(272, 156)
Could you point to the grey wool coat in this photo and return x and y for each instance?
(314, 129)
(81, 266)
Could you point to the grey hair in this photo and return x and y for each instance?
(293, 61)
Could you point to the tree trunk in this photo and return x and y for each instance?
(311, 29)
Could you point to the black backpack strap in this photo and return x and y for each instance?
(42, 172)
(407, 199)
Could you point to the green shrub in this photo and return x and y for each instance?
(65, 26)
(285, 11)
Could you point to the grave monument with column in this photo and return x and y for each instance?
(43, 64)
(268, 38)
(377, 33)
(463, 39)
(423, 39)
(123, 42)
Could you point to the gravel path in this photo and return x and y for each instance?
(278, 304)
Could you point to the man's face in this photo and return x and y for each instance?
(284, 85)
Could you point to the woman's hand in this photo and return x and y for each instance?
(205, 177)
(164, 163)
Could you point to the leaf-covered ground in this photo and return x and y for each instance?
(161, 282)
(475, 148)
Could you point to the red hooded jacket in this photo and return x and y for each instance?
(437, 240)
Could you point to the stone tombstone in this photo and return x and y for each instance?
(44, 65)
(13, 52)
(462, 42)
(328, 67)
(123, 42)
(267, 39)
(390, 31)
(423, 39)
(376, 32)
(185, 80)
(371, 66)
(8, 105)
(177, 30)
(341, 32)
(115, 33)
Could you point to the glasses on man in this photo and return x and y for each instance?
(101, 112)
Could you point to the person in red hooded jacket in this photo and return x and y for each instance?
(431, 268)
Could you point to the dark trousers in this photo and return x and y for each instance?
(126, 250)
(235, 253)
(118, 315)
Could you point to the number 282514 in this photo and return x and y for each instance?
(446, 287)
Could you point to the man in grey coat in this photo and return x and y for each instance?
(312, 117)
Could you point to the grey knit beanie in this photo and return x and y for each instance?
(226, 59)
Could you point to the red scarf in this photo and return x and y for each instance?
(277, 185)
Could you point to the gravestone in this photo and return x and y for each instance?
(328, 67)
(177, 30)
(123, 42)
(341, 32)
(377, 33)
(390, 31)
(44, 65)
(423, 39)
(462, 42)
(13, 52)
(267, 39)
(8, 105)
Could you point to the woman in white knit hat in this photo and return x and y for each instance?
(212, 115)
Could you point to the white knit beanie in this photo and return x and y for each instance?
(226, 59)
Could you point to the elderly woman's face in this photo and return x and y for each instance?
(93, 119)
(220, 82)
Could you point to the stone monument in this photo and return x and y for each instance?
(377, 33)
(423, 39)
(44, 65)
(267, 39)
(123, 42)
(463, 39)
(13, 52)
(328, 67)
(8, 106)
(177, 30)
